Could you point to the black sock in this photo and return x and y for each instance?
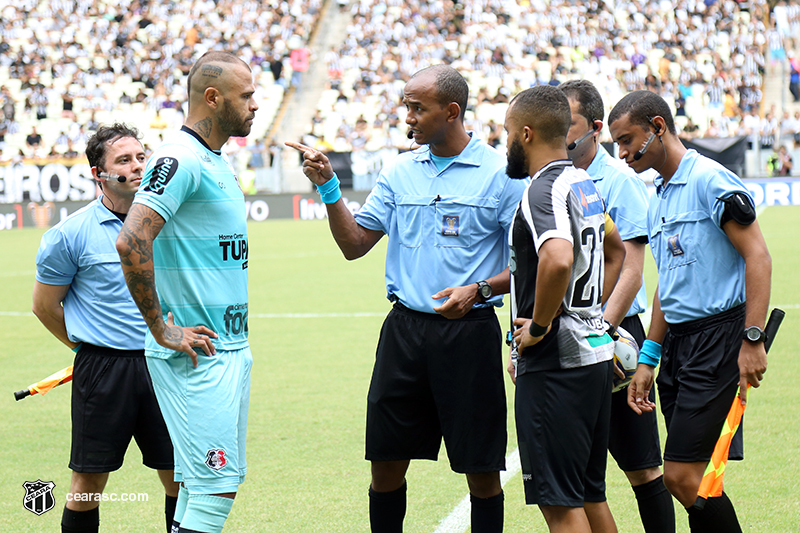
(717, 516)
(387, 510)
(487, 514)
(169, 510)
(80, 521)
(655, 506)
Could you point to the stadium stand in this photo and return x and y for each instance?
(66, 65)
(707, 58)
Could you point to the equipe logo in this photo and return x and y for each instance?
(38, 496)
(215, 459)
(163, 171)
(235, 318)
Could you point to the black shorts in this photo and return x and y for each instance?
(697, 383)
(562, 427)
(112, 401)
(633, 439)
(437, 378)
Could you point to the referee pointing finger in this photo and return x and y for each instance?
(446, 208)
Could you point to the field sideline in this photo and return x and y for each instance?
(314, 323)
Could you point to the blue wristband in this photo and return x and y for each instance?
(329, 192)
(77, 348)
(650, 354)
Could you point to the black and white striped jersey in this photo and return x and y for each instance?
(561, 202)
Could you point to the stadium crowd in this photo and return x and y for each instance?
(68, 66)
(708, 59)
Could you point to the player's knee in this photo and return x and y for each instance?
(88, 482)
(206, 513)
(640, 477)
(484, 485)
(684, 490)
(388, 476)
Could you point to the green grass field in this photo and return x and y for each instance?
(314, 323)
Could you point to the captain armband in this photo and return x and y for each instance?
(738, 209)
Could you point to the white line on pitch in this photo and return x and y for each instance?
(459, 520)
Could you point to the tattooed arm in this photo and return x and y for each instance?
(135, 248)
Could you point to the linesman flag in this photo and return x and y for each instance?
(43, 387)
(711, 484)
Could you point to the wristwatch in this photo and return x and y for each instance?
(484, 291)
(755, 334)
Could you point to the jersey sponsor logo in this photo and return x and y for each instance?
(163, 171)
(38, 497)
(234, 248)
(450, 225)
(674, 245)
(215, 459)
(235, 319)
(590, 199)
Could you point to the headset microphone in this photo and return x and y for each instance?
(574, 144)
(106, 176)
(410, 134)
(638, 155)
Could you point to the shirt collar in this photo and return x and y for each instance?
(551, 164)
(202, 141)
(681, 176)
(470, 155)
(597, 160)
(104, 214)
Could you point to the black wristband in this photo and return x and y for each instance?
(536, 330)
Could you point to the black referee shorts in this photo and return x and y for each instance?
(633, 439)
(112, 401)
(437, 378)
(697, 382)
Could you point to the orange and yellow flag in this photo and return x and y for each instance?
(711, 485)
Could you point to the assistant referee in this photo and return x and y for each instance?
(81, 297)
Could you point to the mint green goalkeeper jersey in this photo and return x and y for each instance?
(200, 255)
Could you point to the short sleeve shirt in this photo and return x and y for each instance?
(445, 228)
(81, 252)
(562, 202)
(700, 273)
(201, 253)
(625, 197)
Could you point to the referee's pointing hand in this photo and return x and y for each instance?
(316, 165)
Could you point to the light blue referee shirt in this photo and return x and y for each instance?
(625, 196)
(700, 273)
(81, 252)
(201, 253)
(446, 228)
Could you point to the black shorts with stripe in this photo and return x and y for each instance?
(438, 378)
(697, 383)
(113, 401)
(562, 426)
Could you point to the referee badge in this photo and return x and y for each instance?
(450, 225)
(674, 246)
